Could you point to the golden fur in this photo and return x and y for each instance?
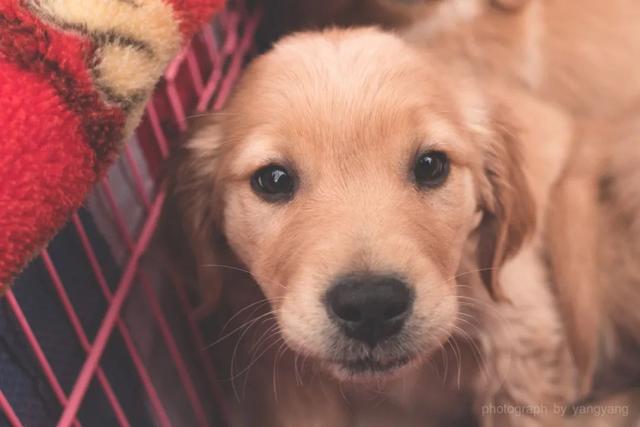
(592, 240)
(581, 55)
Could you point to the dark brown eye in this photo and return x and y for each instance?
(431, 169)
(273, 183)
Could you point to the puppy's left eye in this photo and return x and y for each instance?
(273, 183)
(431, 169)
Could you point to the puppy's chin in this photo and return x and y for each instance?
(368, 370)
(364, 366)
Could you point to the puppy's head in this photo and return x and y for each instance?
(347, 174)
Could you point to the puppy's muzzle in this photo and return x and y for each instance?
(369, 308)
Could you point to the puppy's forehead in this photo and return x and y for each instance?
(341, 92)
(349, 75)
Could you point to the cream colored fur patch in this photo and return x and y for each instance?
(134, 42)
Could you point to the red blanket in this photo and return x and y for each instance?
(74, 78)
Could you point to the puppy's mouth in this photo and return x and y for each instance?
(367, 368)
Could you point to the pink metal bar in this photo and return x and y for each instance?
(152, 394)
(183, 373)
(237, 54)
(172, 92)
(82, 337)
(157, 129)
(199, 344)
(194, 70)
(218, 58)
(91, 255)
(236, 61)
(176, 105)
(111, 316)
(231, 21)
(137, 177)
(13, 419)
(175, 64)
(40, 356)
(115, 211)
(211, 43)
(209, 89)
(160, 411)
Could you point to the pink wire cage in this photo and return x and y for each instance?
(198, 79)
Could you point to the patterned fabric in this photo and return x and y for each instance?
(74, 78)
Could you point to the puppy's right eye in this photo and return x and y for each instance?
(273, 183)
(431, 169)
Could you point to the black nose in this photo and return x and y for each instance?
(369, 308)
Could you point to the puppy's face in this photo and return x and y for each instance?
(346, 174)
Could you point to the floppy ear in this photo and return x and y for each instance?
(190, 216)
(509, 209)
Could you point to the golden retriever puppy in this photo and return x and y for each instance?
(389, 204)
